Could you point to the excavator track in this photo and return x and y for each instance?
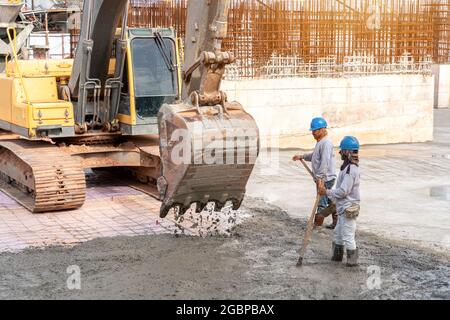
(41, 177)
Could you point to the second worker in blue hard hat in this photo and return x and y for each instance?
(323, 166)
(347, 199)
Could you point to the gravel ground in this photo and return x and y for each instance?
(256, 262)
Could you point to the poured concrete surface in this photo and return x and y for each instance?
(258, 262)
(399, 188)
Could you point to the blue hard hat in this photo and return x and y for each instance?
(350, 143)
(318, 123)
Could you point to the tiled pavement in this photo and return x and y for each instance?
(109, 211)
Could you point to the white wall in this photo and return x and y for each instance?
(41, 4)
(442, 88)
(377, 109)
(59, 43)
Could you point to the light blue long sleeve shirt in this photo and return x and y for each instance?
(346, 192)
(322, 160)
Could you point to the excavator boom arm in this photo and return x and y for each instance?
(90, 69)
(205, 28)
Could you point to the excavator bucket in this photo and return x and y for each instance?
(208, 154)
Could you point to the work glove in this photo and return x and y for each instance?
(297, 158)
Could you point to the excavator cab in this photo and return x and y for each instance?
(152, 79)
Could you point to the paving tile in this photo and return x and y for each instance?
(108, 212)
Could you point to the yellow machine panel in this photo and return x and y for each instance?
(131, 118)
(38, 68)
(39, 89)
(30, 103)
(59, 111)
(5, 99)
(19, 113)
(56, 68)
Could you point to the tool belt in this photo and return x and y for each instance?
(352, 212)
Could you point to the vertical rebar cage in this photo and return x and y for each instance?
(316, 36)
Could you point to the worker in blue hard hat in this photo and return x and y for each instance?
(323, 167)
(347, 199)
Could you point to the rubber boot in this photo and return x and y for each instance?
(352, 258)
(334, 223)
(318, 220)
(338, 252)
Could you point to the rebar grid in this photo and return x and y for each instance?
(441, 25)
(311, 31)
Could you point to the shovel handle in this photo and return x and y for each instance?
(308, 232)
(310, 224)
(307, 169)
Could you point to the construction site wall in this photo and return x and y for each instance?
(442, 86)
(377, 109)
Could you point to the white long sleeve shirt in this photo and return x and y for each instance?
(346, 192)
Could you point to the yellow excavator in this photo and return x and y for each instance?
(125, 101)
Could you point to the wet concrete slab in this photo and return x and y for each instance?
(442, 192)
(404, 188)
